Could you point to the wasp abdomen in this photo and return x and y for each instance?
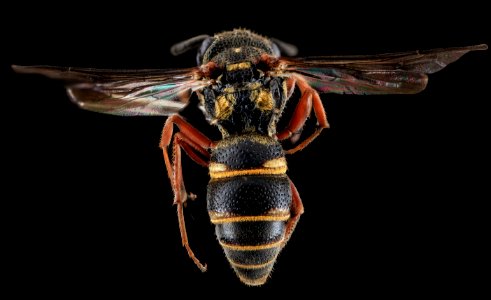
(249, 200)
(251, 247)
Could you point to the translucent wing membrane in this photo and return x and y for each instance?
(396, 73)
(125, 92)
(347, 81)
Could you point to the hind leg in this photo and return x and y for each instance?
(296, 210)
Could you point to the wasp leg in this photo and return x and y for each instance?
(195, 140)
(181, 141)
(195, 144)
(310, 98)
(290, 86)
(296, 211)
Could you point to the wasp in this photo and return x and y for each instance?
(243, 84)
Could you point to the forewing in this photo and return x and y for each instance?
(395, 73)
(125, 92)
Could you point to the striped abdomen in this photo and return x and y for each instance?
(249, 201)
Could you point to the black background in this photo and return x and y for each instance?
(392, 192)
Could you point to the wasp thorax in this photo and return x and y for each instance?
(240, 106)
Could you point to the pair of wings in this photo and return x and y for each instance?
(165, 92)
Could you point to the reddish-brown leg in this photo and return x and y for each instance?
(180, 197)
(195, 144)
(296, 211)
(310, 98)
(181, 141)
(290, 86)
(196, 139)
(195, 152)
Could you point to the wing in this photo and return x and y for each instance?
(395, 73)
(125, 92)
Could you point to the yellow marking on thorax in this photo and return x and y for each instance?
(251, 247)
(256, 138)
(262, 218)
(254, 85)
(239, 66)
(223, 106)
(264, 101)
(228, 90)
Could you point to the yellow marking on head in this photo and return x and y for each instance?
(264, 101)
(258, 266)
(237, 50)
(258, 171)
(250, 219)
(223, 107)
(275, 163)
(252, 247)
(253, 282)
(239, 66)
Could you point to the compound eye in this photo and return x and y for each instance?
(276, 49)
(202, 49)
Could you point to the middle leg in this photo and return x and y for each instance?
(309, 99)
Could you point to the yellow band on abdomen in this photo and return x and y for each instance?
(258, 171)
(251, 247)
(275, 166)
(263, 218)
